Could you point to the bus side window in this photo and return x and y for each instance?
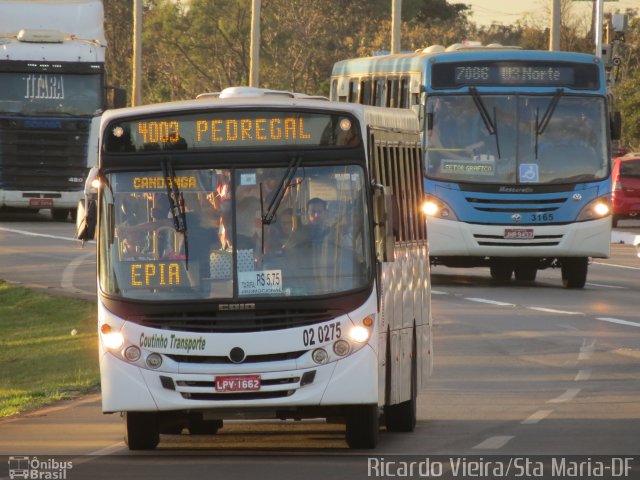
(392, 93)
(379, 92)
(353, 91)
(404, 92)
(365, 92)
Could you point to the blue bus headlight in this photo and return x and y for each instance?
(434, 207)
(597, 208)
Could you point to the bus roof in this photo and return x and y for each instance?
(253, 98)
(416, 62)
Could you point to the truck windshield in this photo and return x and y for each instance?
(318, 242)
(571, 147)
(34, 93)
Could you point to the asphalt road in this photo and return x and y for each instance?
(520, 370)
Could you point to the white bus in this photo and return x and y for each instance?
(261, 254)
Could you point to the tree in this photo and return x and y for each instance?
(627, 91)
(118, 27)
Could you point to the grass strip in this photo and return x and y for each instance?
(48, 348)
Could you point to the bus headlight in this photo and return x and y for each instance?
(434, 207)
(341, 348)
(597, 208)
(111, 339)
(320, 356)
(154, 360)
(359, 334)
(132, 353)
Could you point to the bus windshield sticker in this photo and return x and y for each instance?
(468, 167)
(260, 282)
(248, 178)
(529, 173)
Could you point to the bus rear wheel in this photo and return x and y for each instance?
(574, 272)
(362, 427)
(141, 430)
(60, 214)
(501, 270)
(198, 426)
(526, 271)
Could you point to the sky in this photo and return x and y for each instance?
(506, 12)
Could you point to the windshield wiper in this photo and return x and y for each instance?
(490, 125)
(285, 182)
(541, 125)
(176, 205)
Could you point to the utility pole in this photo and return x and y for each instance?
(136, 90)
(554, 34)
(597, 28)
(254, 62)
(396, 25)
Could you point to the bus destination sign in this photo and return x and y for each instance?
(512, 73)
(230, 129)
(517, 74)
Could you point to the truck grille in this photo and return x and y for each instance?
(43, 154)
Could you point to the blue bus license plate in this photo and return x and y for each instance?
(524, 233)
(239, 383)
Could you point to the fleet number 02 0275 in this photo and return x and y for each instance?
(322, 333)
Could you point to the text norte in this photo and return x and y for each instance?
(156, 341)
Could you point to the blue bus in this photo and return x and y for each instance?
(516, 152)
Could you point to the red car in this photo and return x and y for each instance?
(626, 187)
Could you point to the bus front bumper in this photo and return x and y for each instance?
(127, 387)
(581, 239)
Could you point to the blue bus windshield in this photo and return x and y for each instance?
(522, 139)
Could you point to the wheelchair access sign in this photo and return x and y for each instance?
(528, 173)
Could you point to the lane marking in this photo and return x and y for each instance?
(618, 321)
(553, 310)
(491, 302)
(70, 271)
(536, 417)
(582, 376)
(617, 266)
(606, 286)
(586, 350)
(566, 396)
(493, 443)
(109, 450)
(439, 292)
(43, 235)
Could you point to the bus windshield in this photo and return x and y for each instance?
(234, 240)
(32, 93)
(516, 139)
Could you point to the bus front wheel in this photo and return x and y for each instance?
(574, 272)
(141, 430)
(362, 427)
